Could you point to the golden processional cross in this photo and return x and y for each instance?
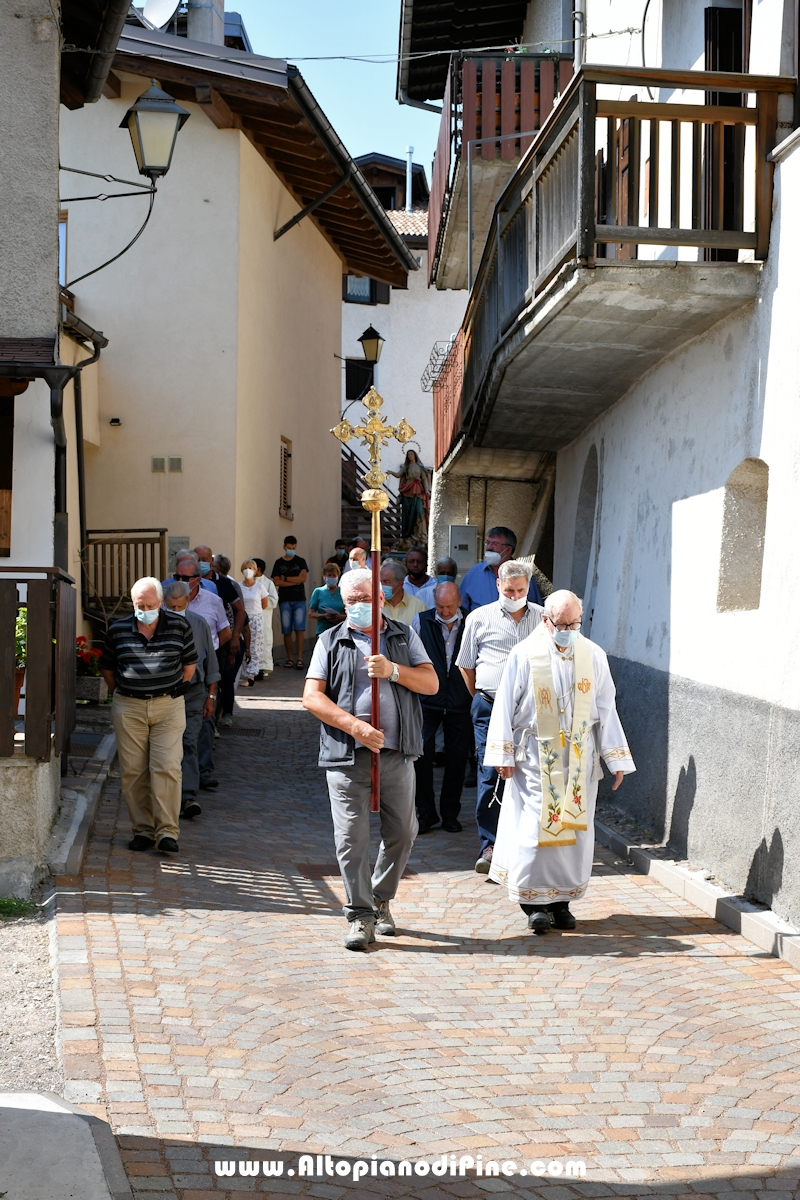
(374, 434)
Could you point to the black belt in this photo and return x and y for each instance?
(487, 697)
(143, 695)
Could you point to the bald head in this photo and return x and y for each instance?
(447, 598)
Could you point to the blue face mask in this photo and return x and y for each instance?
(360, 614)
(332, 582)
(204, 568)
(445, 579)
(387, 590)
(289, 553)
(564, 638)
(146, 616)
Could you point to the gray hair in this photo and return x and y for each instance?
(513, 569)
(176, 589)
(352, 580)
(222, 563)
(397, 569)
(186, 554)
(556, 599)
(148, 581)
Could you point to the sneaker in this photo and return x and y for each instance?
(540, 920)
(141, 842)
(190, 809)
(485, 861)
(360, 935)
(226, 720)
(167, 845)
(560, 915)
(385, 923)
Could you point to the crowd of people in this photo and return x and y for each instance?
(479, 677)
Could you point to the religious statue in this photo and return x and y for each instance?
(415, 497)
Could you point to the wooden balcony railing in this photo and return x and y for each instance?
(605, 176)
(48, 596)
(485, 99)
(113, 559)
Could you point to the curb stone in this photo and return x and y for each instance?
(757, 925)
(67, 857)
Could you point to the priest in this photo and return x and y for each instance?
(554, 717)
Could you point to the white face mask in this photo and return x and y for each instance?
(492, 558)
(146, 616)
(512, 606)
(564, 638)
(248, 573)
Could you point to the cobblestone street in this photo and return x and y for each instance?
(207, 1003)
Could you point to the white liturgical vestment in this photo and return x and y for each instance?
(536, 874)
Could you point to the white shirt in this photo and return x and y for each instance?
(490, 635)
(252, 596)
(413, 589)
(207, 605)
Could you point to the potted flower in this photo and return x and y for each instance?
(89, 685)
(20, 651)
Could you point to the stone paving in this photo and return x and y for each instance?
(211, 1013)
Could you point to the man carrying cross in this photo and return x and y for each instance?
(554, 717)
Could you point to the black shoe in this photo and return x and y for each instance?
(560, 915)
(167, 845)
(190, 809)
(540, 920)
(452, 826)
(426, 824)
(140, 842)
(208, 785)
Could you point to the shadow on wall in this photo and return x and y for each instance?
(682, 807)
(765, 877)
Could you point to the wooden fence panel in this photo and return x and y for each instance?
(64, 664)
(39, 671)
(8, 614)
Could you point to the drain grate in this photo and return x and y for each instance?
(240, 731)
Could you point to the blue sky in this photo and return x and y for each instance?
(357, 98)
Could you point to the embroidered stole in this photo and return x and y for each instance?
(563, 802)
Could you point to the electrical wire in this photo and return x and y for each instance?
(72, 282)
(644, 22)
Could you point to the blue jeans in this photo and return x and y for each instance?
(486, 812)
(293, 615)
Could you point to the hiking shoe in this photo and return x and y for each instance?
(385, 923)
(360, 935)
(540, 921)
(191, 809)
(560, 915)
(485, 861)
(226, 720)
(141, 842)
(167, 845)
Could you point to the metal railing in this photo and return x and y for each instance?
(598, 164)
(49, 659)
(113, 559)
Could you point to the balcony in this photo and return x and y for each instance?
(615, 242)
(113, 559)
(491, 109)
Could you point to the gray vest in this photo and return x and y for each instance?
(337, 748)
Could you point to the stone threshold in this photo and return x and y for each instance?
(757, 925)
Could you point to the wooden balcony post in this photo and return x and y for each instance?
(586, 169)
(65, 664)
(508, 148)
(527, 101)
(8, 616)
(765, 143)
(39, 671)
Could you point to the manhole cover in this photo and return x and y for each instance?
(239, 731)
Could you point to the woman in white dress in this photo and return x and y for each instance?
(260, 596)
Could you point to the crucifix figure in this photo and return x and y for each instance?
(374, 434)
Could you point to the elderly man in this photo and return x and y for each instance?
(148, 661)
(479, 585)
(490, 634)
(356, 562)
(338, 692)
(554, 717)
(209, 607)
(200, 700)
(400, 604)
(440, 630)
(446, 572)
(230, 658)
(180, 559)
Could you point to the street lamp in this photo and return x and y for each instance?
(371, 344)
(153, 123)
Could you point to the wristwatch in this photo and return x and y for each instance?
(395, 675)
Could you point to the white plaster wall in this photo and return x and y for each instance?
(32, 492)
(666, 450)
(411, 323)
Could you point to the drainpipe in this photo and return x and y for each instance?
(106, 48)
(404, 98)
(78, 392)
(409, 174)
(579, 19)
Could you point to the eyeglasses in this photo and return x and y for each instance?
(562, 628)
(187, 578)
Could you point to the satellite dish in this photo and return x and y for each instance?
(160, 12)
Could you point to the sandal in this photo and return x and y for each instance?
(300, 665)
(288, 663)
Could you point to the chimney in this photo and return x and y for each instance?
(205, 21)
(409, 176)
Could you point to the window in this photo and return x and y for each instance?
(744, 522)
(62, 248)
(387, 196)
(285, 507)
(176, 464)
(158, 465)
(358, 377)
(358, 290)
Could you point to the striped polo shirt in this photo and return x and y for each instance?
(490, 634)
(149, 666)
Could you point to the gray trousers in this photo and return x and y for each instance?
(349, 790)
(190, 769)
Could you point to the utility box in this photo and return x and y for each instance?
(464, 547)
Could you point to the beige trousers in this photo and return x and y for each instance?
(150, 744)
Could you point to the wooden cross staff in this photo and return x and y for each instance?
(374, 434)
